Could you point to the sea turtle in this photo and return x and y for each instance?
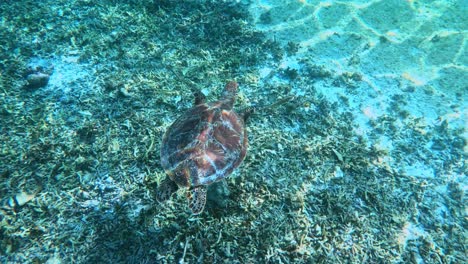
(204, 145)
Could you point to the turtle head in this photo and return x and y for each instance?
(229, 94)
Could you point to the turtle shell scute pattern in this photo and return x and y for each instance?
(203, 145)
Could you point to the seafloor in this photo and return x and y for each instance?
(365, 163)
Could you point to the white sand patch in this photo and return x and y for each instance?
(410, 232)
(68, 74)
(419, 170)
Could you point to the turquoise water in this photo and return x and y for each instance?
(363, 161)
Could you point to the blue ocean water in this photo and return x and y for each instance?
(362, 161)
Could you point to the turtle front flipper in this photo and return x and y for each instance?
(165, 189)
(197, 199)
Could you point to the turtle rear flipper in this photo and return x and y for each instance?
(247, 112)
(165, 190)
(200, 98)
(266, 108)
(197, 199)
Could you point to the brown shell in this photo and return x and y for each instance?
(204, 145)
